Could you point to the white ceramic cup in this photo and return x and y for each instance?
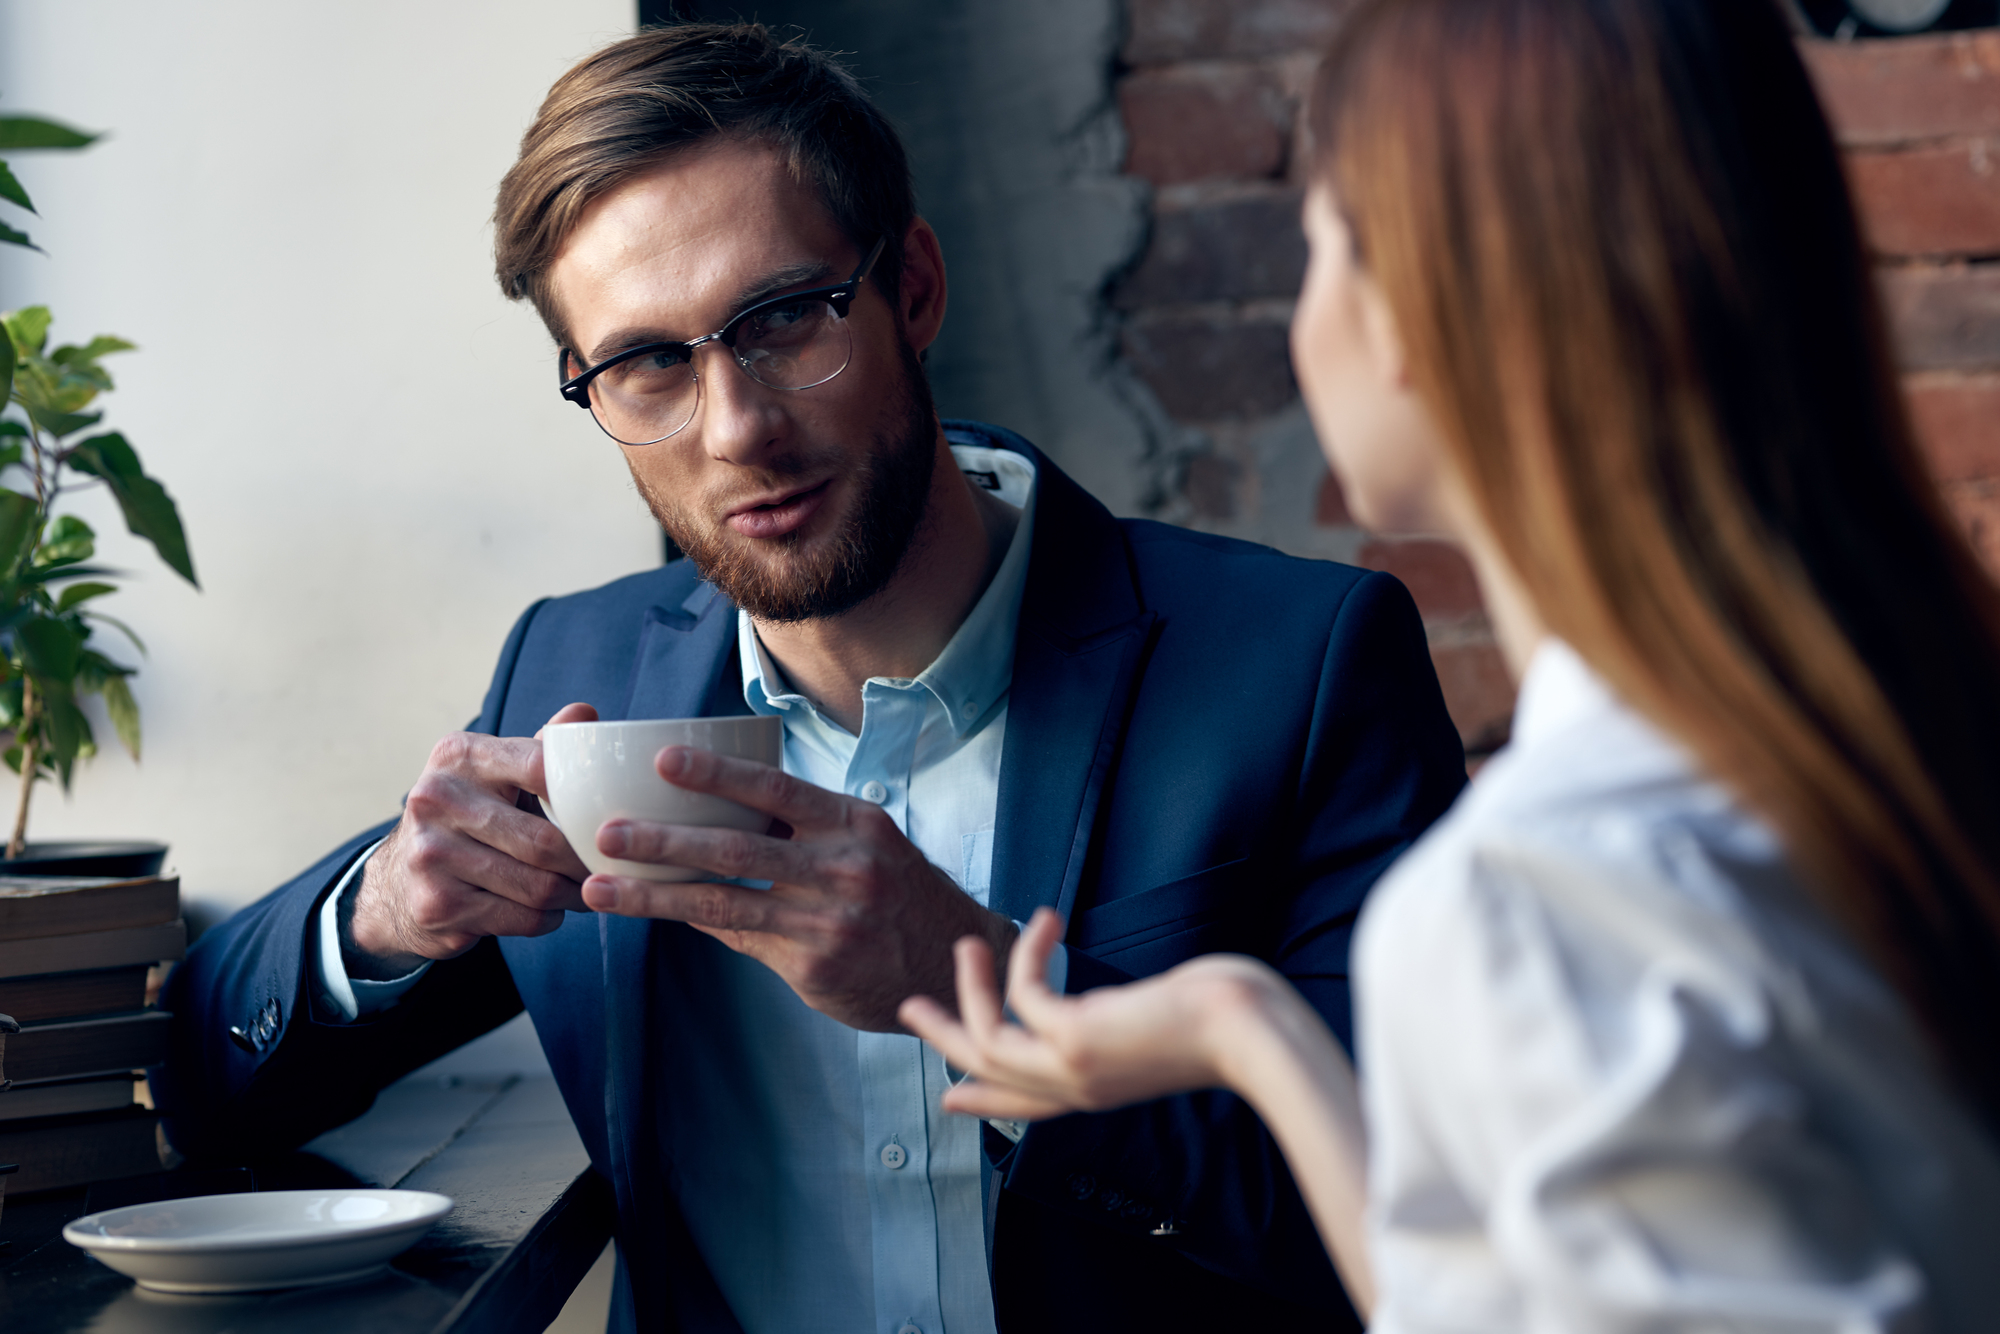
(604, 771)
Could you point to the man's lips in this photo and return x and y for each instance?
(780, 515)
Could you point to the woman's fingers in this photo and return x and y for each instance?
(1028, 993)
(934, 1024)
(979, 1005)
(1001, 1103)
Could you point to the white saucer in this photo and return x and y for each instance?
(270, 1239)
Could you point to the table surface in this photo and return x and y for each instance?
(531, 1217)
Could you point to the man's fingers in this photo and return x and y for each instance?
(448, 916)
(492, 762)
(570, 713)
(721, 852)
(697, 902)
(758, 786)
(441, 858)
(528, 837)
(534, 778)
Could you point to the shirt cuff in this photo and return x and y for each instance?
(345, 997)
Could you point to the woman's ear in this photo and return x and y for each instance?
(920, 303)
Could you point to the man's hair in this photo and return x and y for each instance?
(639, 101)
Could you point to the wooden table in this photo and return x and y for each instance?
(531, 1218)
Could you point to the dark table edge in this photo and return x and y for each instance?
(526, 1290)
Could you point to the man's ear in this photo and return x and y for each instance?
(920, 304)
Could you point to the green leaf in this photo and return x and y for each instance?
(121, 628)
(15, 236)
(10, 453)
(149, 510)
(10, 426)
(7, 379)
(124, 711)
(68, 733)
(101, 346)
(51, 648)
(12, 191)
(68, 539)
(35, 132)
(28, 327)
(20, 525)
(60, 424)
(77, 594)
(55, 570)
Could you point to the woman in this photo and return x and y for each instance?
(1687, 1016)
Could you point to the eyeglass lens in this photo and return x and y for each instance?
(791, 346)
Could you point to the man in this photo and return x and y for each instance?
(993, 696)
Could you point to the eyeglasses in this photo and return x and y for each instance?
(648, 393)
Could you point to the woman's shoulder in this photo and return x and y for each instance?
(1596, 840)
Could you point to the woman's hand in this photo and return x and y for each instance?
(1222, 1019)
(1103, 1049)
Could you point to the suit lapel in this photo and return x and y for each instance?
(1078, 659)
(685, 668)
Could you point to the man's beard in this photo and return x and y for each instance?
(892, 497)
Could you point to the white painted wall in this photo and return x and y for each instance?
(290, 218)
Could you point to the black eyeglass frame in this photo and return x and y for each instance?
(840, 296)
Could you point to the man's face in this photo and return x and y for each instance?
(796, 504)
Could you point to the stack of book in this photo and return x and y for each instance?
(75, 954)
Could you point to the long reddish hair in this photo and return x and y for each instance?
(1624, 263)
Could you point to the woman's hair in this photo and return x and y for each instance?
(1632, 290)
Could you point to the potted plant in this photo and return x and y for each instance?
(48, 585)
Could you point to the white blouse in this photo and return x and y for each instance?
(1621, 1075)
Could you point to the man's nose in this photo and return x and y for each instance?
(740, 419)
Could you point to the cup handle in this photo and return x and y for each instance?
(550, 812)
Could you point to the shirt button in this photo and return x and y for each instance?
(894, 1156)
(911, 1327)
(874, 791)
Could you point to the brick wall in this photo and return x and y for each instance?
(1211, 93)
(1919, 118)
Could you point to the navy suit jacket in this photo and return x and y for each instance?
(1210, 746)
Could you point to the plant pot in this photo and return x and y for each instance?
(104, 857)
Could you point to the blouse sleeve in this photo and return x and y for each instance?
(1583, 1116)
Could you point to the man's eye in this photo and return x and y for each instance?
(782, 324)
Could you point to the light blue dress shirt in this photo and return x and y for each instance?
(831, 1192)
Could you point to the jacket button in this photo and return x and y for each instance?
(1112, 1199)
(1082, 1187)
(242, 1039)
(1134, 1210)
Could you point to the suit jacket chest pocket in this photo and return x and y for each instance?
(1214, 909)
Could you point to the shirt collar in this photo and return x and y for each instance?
(976, 668)
(1558, 690)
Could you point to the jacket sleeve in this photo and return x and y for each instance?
(289, 1074)
(1382, 762)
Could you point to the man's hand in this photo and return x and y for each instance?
(471, 857)
(855, 919)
